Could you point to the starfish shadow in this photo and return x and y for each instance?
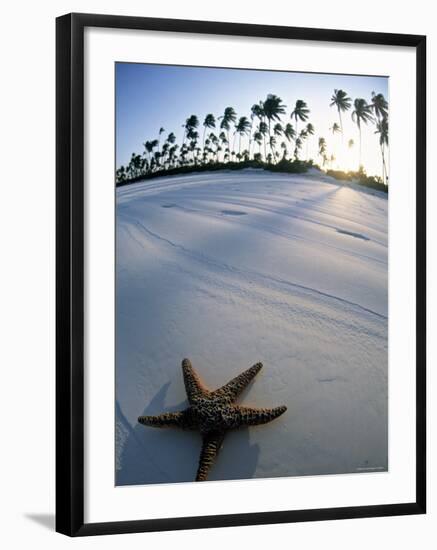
(148, 455)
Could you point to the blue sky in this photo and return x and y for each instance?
(152, 96)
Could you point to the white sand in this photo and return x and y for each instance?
(231, 268)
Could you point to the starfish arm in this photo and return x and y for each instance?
(210, 447)
(252, 417)
(179, 419)
(193, 385)
(233, 389)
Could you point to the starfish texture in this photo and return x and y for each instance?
(213, 413)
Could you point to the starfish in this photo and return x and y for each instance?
(213, 413)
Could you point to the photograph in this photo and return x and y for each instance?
(251, 274)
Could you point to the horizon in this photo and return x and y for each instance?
(151, 96)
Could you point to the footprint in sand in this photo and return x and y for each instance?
(234, 213)
(352, 234)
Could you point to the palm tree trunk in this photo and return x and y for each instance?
(382, 162)
(359, 167)
(233, 142)
(384, 167)
(341, 128)
(229, 147)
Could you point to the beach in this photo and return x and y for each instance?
(229, 268)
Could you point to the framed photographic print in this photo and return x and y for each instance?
(240, 274)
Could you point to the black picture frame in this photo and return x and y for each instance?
(70, 273)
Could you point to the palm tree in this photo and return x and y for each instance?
(148, 148)
(303, 136)
(379, 106)
(362, 113)
(209, 122)
(301, 112)
(272, 143)
(224, 141)
(343, 103)
(172, 154)
(164, 152)
(171, 138)
(228, 116)
(193, 136)
(157, 158)
(191, 123)
(154, 143)
(273, 108)
(298, 146)
(255, 111)
(322, 149)
(233, 140)
(258, 138)
(214, 141)
(309, 129)
(289, 132)
(183, 151)
(242, 128)
(120, 174)
(278, 130)
(130, 167)
(382, 130)
(380, 109)
(206, 150)
(161, 130)
(335, 129)
(263, 130)
(136, 165)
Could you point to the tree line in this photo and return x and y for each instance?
(271, 136)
